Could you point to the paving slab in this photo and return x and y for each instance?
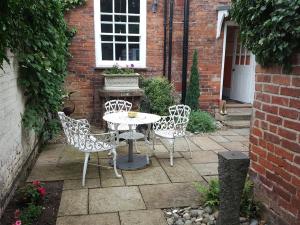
(77, 184)
(235, 146)
(108, 176)
(245, 131)
(201, 157)
(181, 171)
(227, 133)
(209, 178)
(162, 153)
(66, 171)
(73, 202)
(115, 199)
(181, 145)
(219, 139)
(205, 143)
(207, 168)
(149, 175)
(161, 196)
(236, 138)
(96, 219)
(143, 217)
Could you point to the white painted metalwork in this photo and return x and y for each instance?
(78, 135)
(173, 126)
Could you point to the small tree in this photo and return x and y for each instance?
(193, 91)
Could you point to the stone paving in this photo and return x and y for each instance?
(139, 196)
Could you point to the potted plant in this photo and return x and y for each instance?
(117, 78)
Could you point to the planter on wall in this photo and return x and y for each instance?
(121, 81)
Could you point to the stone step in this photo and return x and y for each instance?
(244, 105)
(237, 124)
(233, 116)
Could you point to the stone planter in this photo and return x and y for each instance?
(121, 81)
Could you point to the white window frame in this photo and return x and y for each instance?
(143, 36)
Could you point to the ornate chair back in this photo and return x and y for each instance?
(113, 106)
(180, 116)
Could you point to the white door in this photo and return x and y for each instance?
(243, 73)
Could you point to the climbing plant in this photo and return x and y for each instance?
(37, 34)
(269, 28)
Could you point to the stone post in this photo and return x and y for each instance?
(233, 168)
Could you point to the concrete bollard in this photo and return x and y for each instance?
(233, 168)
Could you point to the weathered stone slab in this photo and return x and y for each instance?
(150, 175)
(205, 143)
(73, 202)
(235, 146)
(143, 217)
(201, 157)
(77, 184)
(170, 195)
(161, 152)
(209, 178)
(66, 171)
(219, 139)
(245, 131)
(180, 145)
(227, 133)
(108, 176)
(96, 219)
(236, 138)
(233, 168)
(115, 199)
(207, 168)
(182, 171)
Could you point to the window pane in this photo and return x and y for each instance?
(106, 18)
(120, 38)
(106, 6)
(134, 6)
(120, 28)
(134, 19)
(106, 38)
(119, 18)
(133, 38)
(134, 28)
(120, 6)
(107, 51)
(120, 51)
(134, 52)
(106, 28)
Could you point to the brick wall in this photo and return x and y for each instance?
(275, 143)
(16, 145)
(85, 79)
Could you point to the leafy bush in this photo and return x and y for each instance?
(193, 91)
(249, 207)
(116, 69)
(158, 95)
(270, 29)
(201, 122)
(32, 193)
(30, 214)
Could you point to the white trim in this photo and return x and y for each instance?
(223, 59)
(142, 42)
(222, 14)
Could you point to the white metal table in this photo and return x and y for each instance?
(132, 161)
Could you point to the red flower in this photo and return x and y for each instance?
(17, 213)
(42, 191)
(36, 183)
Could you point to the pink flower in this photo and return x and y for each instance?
(42, 191)
(36, 183)
(18, 222)
(17, 213)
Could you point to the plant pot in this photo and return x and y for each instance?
(121, 81)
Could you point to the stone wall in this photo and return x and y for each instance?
(275, 143)
(86, 79)
(16, 145)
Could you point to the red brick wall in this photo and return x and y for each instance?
(275, 143)
(85, 79)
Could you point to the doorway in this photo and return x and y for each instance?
(239, 68)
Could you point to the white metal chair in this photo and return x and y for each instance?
(173, 126)
(78, 135)
(114, 106)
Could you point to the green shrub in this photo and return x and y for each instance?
(201, 122)
(249, 207)
(158, 96)
(30, 214)
(193, 91)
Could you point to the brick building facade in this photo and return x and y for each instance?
(85, 79)
(275, 143)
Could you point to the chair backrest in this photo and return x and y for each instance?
(113, 106)
(180, 116)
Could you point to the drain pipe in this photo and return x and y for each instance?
(165, 36)
(170, 39)
(185, 49)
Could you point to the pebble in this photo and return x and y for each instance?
(253, 222)
(186, 216)
(179, 222)
(207, 209)
(188, 222)
(170, 221)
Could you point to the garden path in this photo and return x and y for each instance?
(139, 196)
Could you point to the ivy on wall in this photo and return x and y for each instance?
(36, 32)
(269, 28)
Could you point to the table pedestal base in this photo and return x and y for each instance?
(138, 162)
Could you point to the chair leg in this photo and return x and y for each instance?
(87, 155)
(188, 143)
(153, 140)
(115, 162)
(172, 152)
(135, 146)
(61, 154)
